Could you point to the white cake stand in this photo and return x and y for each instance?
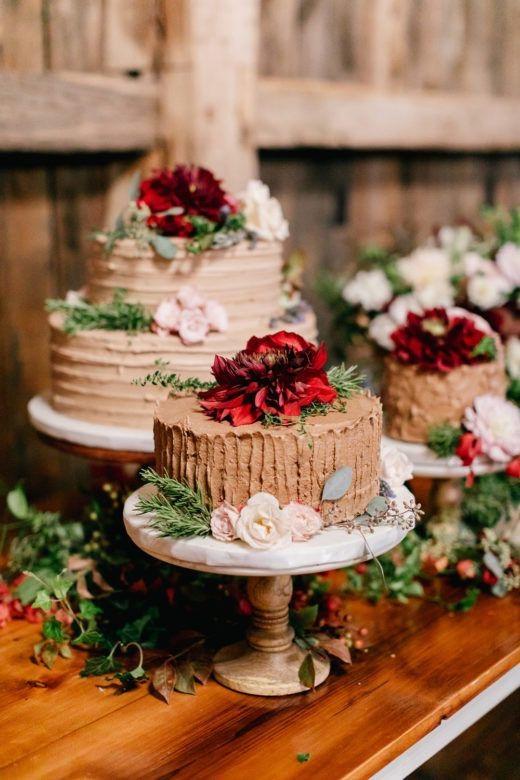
(90, 440)
(267, 663)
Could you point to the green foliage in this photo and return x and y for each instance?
(444, 438)
(491, 498)
(466, 603)
(346, 381)
(53, 629)
(344, 325)
(163, 379)
(178, 510)
(486, 348)
(504, 223)
(513, 391)
(116, 315)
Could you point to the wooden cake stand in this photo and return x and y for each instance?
(267, 663)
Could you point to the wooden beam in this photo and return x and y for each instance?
(310, 113)
(73, 112)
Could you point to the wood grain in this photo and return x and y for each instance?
(422, 665)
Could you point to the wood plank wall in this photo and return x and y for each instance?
(335, 199)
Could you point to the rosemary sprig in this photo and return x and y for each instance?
(116, 315)
(162, 379)
(178, 510)
(346, 381)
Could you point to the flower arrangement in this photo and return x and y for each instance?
(189, 202)
(190, 316)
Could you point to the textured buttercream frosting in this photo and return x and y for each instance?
(233, 463)
(92, 370)
(414, 400)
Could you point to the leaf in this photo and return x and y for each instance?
(202, 667)
(99, 665)
(89, 637)
(28, 589)
(491, 561)
(65, 651)
(337, 484)
(53, 629)
(163, 680)
(302, 758)
(185, 681)
(377, 506)
(337, 648)
(303, 619)
(42, 601)
(164, 247)
(466, 602)
(307, 671)
(17, 503)
(88, 610)
(61, 585)
(99, 580)
(49, 653)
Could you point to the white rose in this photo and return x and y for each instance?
(261, 523)
(440, 294)
(425, 267)
(216, 316)
(193, 326)
(473, 263)
(513, 357)
(402, 306)
(381, 329)
(488, 290)
(263, 213)
(396, 468)
(223, 522)
(456, 239)
(167, 316)
(369, 289)
(303, 521)
(508, 261)
(190, 298)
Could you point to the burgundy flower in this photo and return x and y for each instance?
(190, 188)
(435, 342)
(513, 468)
(468, 448)
(279, 374)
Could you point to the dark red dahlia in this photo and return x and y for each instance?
(279, 374)
(191, 190)
(434, 341)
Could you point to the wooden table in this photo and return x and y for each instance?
(424, 664)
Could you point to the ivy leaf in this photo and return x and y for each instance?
(466, 602)
(377, 506)
(164, 247)
(307, 671)
(337, 648)
(61, 585)
(65, 651)
(302, 758)
(28, 589)
(17, 503)
(163, 680)
(49, 653)
(99, 665)
(88, 609)
(185, 681)
(53, 629)
(337, 485)
(89, 637)
(42, 601)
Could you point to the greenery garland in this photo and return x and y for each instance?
(118, 314)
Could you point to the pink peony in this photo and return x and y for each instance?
(223, 522)
(303, 521)
(193, 326)
(216, 316)
(190, 298)
(167, 317)
(497, 423)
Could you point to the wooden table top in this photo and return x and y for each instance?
(423, 665)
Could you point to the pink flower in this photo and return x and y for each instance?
(303, 521)
(223, 522)
(190, 298)
(167, 317)
(466, 569)
(217, 316)
(497, 423)
(193, 326)
(508, 261)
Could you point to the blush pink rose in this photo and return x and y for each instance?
(190, 298)
(216, 316)
(193, 326)
(497, 423)
(223, 522)
(167, 317)
(303, 521)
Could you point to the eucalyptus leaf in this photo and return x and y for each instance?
(493, 564)
(337, 485)
(17, 503)
(307, 671)
(164, 247)
(377, 506)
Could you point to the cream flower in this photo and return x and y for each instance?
(488, 290)
(508, 261)
(434, 295)
(369, 289)
(396, 467)
(223, 522)
(263, 212)
(303, 521)
(193, 326)
(381, 329)
(216, 316)
(473, 263)
(425, 267)
(456, 239)
(402, 306)
(190, 298)
(167, 316)
(513, 357)
(261, 523)
(497, 423)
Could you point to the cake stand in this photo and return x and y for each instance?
(93, 441)
(267, 663)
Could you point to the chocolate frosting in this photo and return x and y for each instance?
(233, 464)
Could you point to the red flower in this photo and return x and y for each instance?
(435, 342)
(279, 374)
(466, 569)
(192, 190)
(489, 578)
(513, 468)
(468, 448)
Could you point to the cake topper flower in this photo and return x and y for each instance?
(279, 374)
(436, 341)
